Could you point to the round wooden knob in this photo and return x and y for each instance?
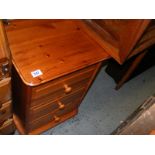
(61, 105)
(56, 118)
(67, 88)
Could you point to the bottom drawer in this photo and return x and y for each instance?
(51, 107)
(55, 117)
(7, 127)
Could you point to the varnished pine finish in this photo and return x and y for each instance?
(42, 44)
(6, 123)
(55, 116)
(4, 47)
(58, 104)
(69, 60)
(5, 90)
(57, 88)
(5, 111)
(35, 115)
(65, 51)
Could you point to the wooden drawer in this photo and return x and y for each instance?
(5, 90)
(59, 93)
(5, 111)
(61, 89)
(7, 127)
(53, 117)
(61, 84)
(51, 106)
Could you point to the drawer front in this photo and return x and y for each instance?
(64, 85)
(53, 117)
(7, 127)
(59, 93)
(51, 106)
(5, 90)
(5, 111)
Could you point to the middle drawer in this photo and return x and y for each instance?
(59, 104)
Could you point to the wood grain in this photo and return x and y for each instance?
(69, 60)
(4, 47)
(42, 45)
(6, 123)
(51, 117)
(23, 102)
(51, 106)
(5, 90)
(5, 111)
(58, 89)
(54, 123)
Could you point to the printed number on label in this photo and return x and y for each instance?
(36, 73)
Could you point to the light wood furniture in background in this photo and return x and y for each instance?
(6, 119)
(68, 59)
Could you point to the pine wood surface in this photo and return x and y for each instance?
(4, 48)
(6, 123)
(5, 111)
(56, 88)
(69, 59)
(5, 90)
(56, 47)
(52, 106)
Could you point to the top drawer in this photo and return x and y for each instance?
(65, 84)
(5, 90)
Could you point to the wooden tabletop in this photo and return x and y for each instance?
(55, 47)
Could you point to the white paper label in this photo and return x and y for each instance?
(36, 73)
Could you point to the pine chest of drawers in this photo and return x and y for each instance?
(6, 115)
(54, 64)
